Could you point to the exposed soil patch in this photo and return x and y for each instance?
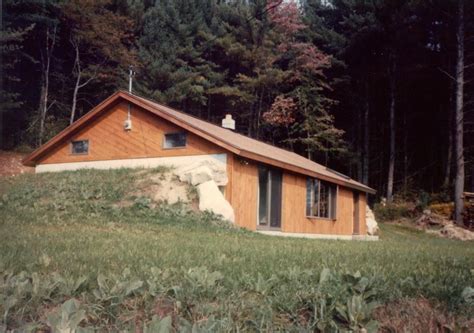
(10, 164)
(161, 187)
(164, 307)
(419, 315)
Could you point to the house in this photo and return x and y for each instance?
(270, 189)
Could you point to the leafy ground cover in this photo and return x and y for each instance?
(73, 256)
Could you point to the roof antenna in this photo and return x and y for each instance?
(131, 74)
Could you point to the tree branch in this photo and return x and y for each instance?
(447, 74)
(85, 83)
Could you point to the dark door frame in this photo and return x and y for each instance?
(273, 188)
(356, 213)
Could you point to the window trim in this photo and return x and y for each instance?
(332, 206)
(71, 150)
(178, 147)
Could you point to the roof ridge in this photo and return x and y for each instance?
(232, 141)
(334, 175)
(234, 132)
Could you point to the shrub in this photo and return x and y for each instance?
(392, 212)
(445, 209)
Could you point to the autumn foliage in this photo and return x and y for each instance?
(281, 112)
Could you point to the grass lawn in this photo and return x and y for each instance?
(69, 235)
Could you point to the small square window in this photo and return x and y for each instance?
(175, 140)
(80, 147)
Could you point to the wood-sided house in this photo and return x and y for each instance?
(270, 189)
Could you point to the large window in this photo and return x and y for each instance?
(175, 140)
(80, 147)
(320, 199)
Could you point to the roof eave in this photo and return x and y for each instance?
(299, 170)
(32, 159)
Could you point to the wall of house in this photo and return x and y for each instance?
(243, 195)
(294, 210)
(243, 186)
(109, 141)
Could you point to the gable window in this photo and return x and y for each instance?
(175, 140)
(320, 199)
(80, 147)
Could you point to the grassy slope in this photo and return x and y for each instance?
(70, 223)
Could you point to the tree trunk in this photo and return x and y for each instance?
(472, 176)
(259, 114)
(208, 108)
(45, 87)
(365, 171)
(2, 123)
(77, 68)
(78, 85)
(360, 153)
(391, 165)
(74, 98)
(42, 109)
(459, 128)
(449, 157)
(405, 154)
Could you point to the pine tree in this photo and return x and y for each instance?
(14, 29)
(173, 49)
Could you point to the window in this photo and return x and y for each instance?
(320, 198)
(175, 140)
(80, 147)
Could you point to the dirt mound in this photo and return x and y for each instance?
(419, 315)
(163, 187)
(441, 226)
(160, 186)
(454, 232)
(428, 218)
(10, 164)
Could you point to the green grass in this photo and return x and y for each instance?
(71, 225)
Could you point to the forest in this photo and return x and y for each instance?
(381, 90)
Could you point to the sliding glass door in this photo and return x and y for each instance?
(269, 198)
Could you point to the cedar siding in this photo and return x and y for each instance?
(244, 190)
(109, 141)
(294, 210)
(244, 198)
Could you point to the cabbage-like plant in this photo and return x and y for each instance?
(157, 325)
(356, 315)
(67, 318)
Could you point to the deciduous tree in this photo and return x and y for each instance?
(101, 41)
